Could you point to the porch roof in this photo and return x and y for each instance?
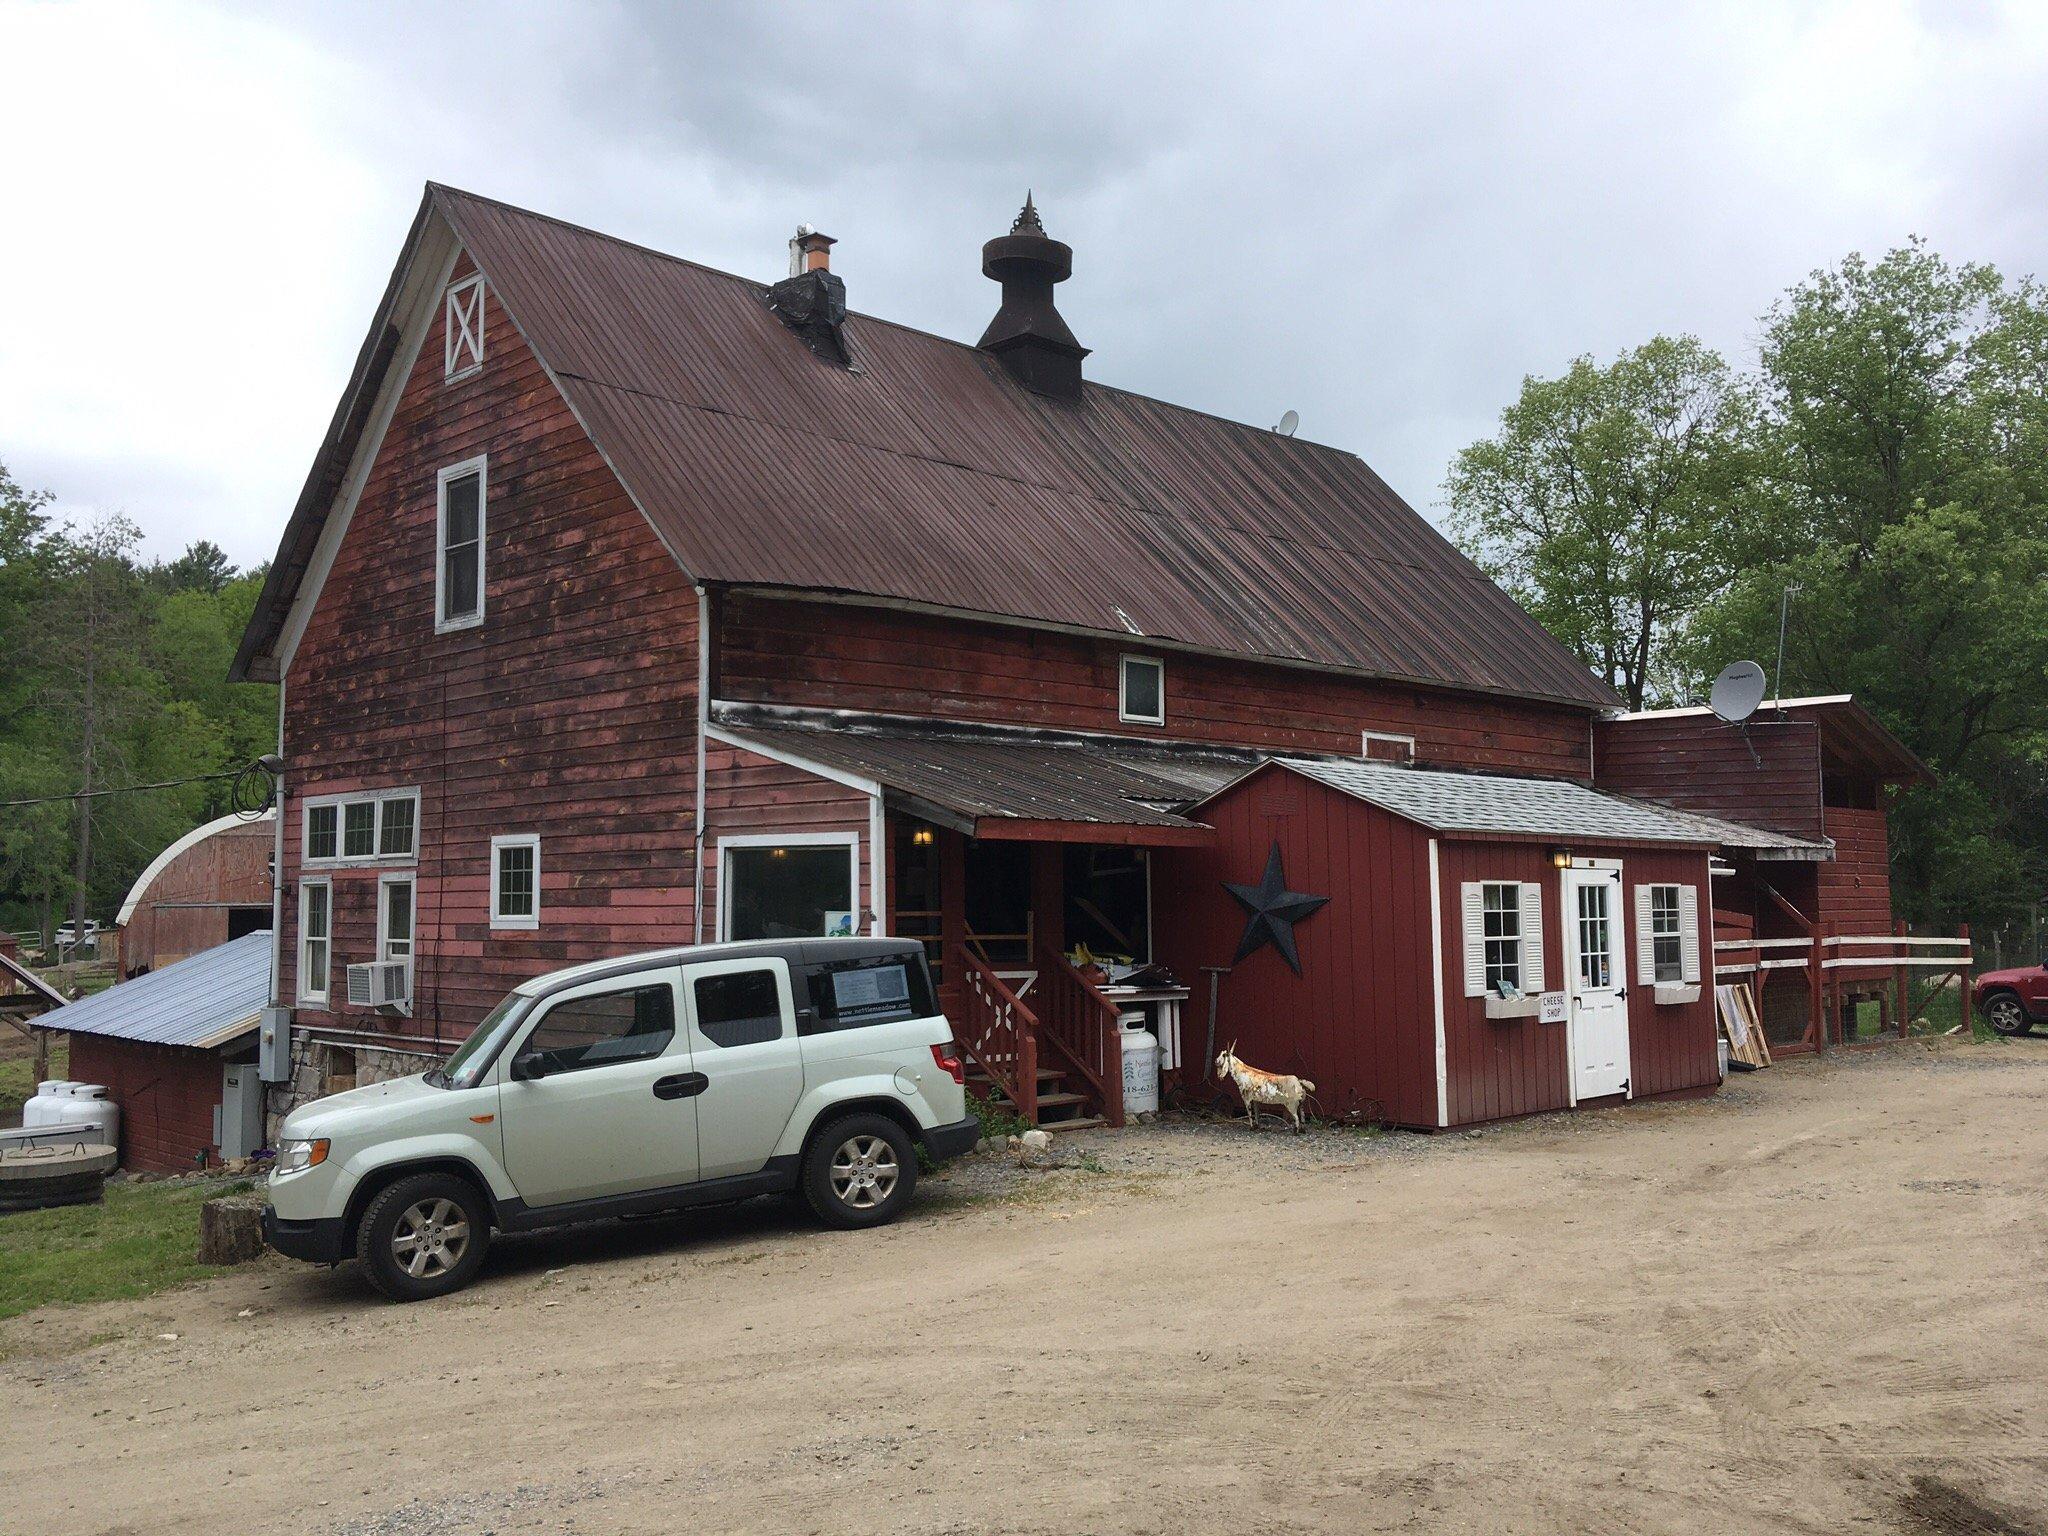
(1481, 804)
(1034, 786)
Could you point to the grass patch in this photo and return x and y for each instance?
(18, 1077)
(140, 1239)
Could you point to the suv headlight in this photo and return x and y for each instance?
(297, 1156)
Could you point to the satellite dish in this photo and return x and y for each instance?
(1737, 691)
(1289, 423)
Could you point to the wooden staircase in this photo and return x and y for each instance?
(1059, 1108)
(1060, 1067)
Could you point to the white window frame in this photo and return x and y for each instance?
(1687, 899)
(341, 859)
(850, 841)
(307, 997)
(1529, 946)
(515, 921)
(1124, 663)
(411, 882)
(462, 329)
(480, 467)
(1512, 904)
(1395, 738)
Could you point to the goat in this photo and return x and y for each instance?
(1256, 1088)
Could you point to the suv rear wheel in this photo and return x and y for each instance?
(859, 1171)
(423, 1237)
(2005, 1013)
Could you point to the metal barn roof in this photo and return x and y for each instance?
(202, 1001)
(1518, 807)
(925, 474)
(997, 785)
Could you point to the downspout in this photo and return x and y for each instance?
(703, 724)
(277, 868)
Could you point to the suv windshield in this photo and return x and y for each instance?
(468, 1064)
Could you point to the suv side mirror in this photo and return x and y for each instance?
(529, 1066)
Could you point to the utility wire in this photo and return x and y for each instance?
(237, 774)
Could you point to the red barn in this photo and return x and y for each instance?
(211, 885)
(630, 603)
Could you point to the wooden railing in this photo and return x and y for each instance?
(1080, 1025)
(1001, 1035)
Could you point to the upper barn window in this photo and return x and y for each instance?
(1141, 696)
(459, 540)
(462, 340)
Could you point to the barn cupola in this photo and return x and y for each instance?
(1027, 336)
(812, 301)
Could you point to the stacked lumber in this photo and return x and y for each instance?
(1741, 1027)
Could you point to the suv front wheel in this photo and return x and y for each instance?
(423, 1237)
(860, 1171)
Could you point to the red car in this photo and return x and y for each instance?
(2011, 1000)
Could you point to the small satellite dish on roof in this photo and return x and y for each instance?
(1737, 691)
(1289, 423)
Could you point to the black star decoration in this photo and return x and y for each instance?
(1274, 911)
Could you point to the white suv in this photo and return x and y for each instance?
(681, 1078)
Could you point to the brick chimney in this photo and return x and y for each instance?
(809, 251)
(1027, 336)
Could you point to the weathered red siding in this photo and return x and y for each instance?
(1856, 886)
(570, 711)
(848, 657)
(167, 1097)
(746, 794)
(1702, 763)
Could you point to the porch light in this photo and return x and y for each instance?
(922, 837)
(1561, 858)
(778, 853)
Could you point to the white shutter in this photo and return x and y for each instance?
(1475, 939)
(1532, 938)
(1689, 931)
(1646, 940)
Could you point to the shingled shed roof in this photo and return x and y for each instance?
(1491, 804)
(925, 474)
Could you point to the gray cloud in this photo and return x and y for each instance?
(1381, 217)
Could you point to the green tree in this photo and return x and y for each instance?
(1610, 502)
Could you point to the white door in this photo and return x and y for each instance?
(743, 1041)
(597, 1097)
(1597, 979)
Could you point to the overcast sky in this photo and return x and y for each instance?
(1381, 216)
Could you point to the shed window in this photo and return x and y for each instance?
(1142, 696)
(462, 343)
(1502, 915)
(515, 881)
(1667, 934)
(789, 889)
(1503, 931)
(316, 916)
(459, 573)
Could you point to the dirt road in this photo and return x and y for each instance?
(1811, 1304)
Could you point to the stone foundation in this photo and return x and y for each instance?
(320, 1066)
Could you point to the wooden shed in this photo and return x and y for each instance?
(1437, 948)
(176, 1051)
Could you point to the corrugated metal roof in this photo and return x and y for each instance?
(201, 1001)
(927, 474)
(985, 779)
(1480, 802)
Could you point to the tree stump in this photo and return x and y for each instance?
(231, 1229)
